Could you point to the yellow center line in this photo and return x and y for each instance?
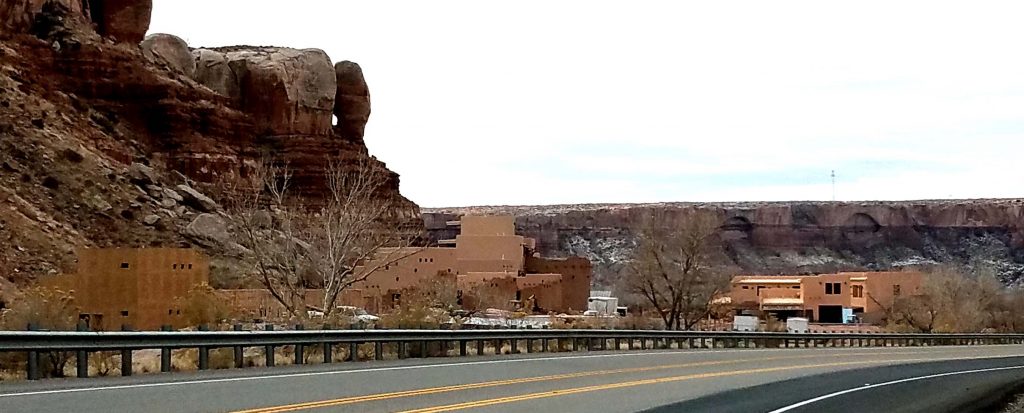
(565, 392)
(444, 389)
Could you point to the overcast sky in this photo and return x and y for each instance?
(541, 102)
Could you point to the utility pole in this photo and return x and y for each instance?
(833, 185)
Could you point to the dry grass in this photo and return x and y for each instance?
(1016, 406)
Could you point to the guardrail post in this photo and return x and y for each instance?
(401, 349)
(204, 352)
(33, 358)
(544, 345)
(423, 349)
(165, 354)
(643, 343)
(82, 356)
(462, 348)
(514, 346)
(575, 344)
(126, 355)
(328, 348)
(300, 349)
(529, 345)
(618, 344)
(269, 350)
(378, 350)
(239, 356)
(479, 347)
(353, 351)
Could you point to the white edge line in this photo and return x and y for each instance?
(907, 380)
(415, 367)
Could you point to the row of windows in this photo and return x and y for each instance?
(125, 266)
(426, 260)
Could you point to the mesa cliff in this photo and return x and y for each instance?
(788, 237)
(109, 137)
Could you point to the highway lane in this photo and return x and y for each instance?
(597, 381)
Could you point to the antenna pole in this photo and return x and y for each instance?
(833, 185)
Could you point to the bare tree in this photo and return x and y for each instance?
(671, 268)
(295, 245)
(950, 300)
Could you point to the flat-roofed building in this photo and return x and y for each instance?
(485, 249)
(136, 287)
(825, 298)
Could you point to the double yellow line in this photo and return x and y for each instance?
(577, 390)
(470, 386)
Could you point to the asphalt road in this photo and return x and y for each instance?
(665, 380)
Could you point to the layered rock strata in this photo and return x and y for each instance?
(788, 237)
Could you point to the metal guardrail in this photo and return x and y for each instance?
(82, 343)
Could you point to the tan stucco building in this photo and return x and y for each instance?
(825, 298)
(137, 287)
(487, 254)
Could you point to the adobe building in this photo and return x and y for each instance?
(138, 287)
(824, 298)
(486, 255)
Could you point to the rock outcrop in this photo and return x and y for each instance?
(788, 237)
(172, 50)
(286, 91)
(121, 20)
(106, 143)
(352, 103)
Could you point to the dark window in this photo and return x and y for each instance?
(170, 312)
(838, 288)
(124, 313)
(190, 266)
(828, 288)
(124, 265)
(413, 270)
(746, 287)
(177, 312)
(174, 267)
(396, 279)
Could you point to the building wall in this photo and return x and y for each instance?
(576, 273)
(544, 289)
(136, 287)
(879, 290)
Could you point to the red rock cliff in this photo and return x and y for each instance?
(790, 237)
(80, 101)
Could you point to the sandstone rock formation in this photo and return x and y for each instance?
(121, 20)
(287, 91)
(105, 143)
(788, 237)
(352, 103)
(172, 50)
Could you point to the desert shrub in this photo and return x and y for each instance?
(203, 305)
(47, 308)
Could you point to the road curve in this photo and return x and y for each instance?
(666, 380)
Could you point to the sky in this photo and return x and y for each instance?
(554, 102)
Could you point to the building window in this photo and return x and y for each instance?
(174, 267)
(124, 265)
(896, 290)
(190, 266)
(170, 312)
(833, 288)
(396, 279)
(746, 287)
(124, 313)
(858, 291)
